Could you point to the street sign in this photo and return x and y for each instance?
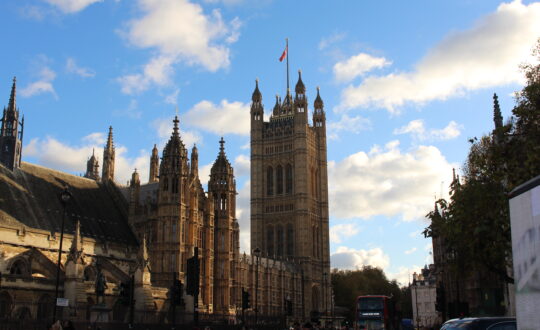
(62, 302)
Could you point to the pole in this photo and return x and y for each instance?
(59, 255)
(287, 48)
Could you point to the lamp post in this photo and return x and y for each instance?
(256, 252)
(64, 197)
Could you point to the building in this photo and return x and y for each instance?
(146, 232)
(424, 298)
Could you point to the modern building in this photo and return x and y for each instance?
(146, 232)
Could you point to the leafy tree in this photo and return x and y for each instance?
(349, 284)
(475, 222)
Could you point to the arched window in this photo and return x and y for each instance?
(288, 179)
(45, 305)
(280, 241)
(290, 239)
(270, 181)
(175, 185)
(270, 240)
(5, 305)
(19, 267)
(279, 180)
(223, 202)
(314, 240)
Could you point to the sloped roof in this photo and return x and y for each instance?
(29, 197)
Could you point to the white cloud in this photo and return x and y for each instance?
(72, 67)
(354, 124)
(486, 55)
(225, 118)
(347, 258)
(242, 165)
(327, 41)
(74, 157)
(173, 97)
(387, 182)
(243, 215)
(418, 131)
(358, 65)
(181, 32)
(225, 2)
(404, 274)
(410, 251)
(42, 85)
(71, 6)
(343, 231)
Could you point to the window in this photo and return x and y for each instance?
(290, 239)
(288, 179)
(45, 305)
(270, 181)
(280, 241)
(270, 240)
(165, 184)
(18, 268)
(173, 231)
(175, 185)
(5, 304)
(279, 180)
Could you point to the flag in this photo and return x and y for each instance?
(284, 54)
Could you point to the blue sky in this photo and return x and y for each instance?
(405, 85)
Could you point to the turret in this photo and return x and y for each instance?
(154, 166)
(300, 101)
(173, 167)
(135, 192)
(277, 107)
(257, 109)
(319, 118)
(92, 168)
(287, 105)
(10, 136)
(194, 162)
(108, 158)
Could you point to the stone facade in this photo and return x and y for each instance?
(424, 297)
(146, 232)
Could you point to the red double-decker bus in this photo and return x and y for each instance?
(374, 313)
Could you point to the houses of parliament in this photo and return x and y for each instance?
(145, 232)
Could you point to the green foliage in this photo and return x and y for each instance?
(348, 285)
(475, 223)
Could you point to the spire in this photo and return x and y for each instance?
(154, 165)
(222, 146)
(300, 88)
(256, 96)
(76, 249)
(194, 161)
(92, 167)
(108, 158)
(277, 107)
(497, 116)
(12, 97)
(175, 128)
(318, 104)
(142, 255)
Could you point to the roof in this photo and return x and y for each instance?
(29, 197)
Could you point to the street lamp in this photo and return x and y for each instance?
(64, 197)
(256, 252)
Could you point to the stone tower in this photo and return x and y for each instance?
(154, 166)
(108, 158)
(172, 211)
(289, 191)
(222, 187)
(92, 168)
(10, 136)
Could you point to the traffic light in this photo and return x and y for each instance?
(245, 299)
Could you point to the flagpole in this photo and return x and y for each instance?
(287, 48)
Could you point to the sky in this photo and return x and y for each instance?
(405, 85)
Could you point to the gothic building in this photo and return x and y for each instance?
(148, 231)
